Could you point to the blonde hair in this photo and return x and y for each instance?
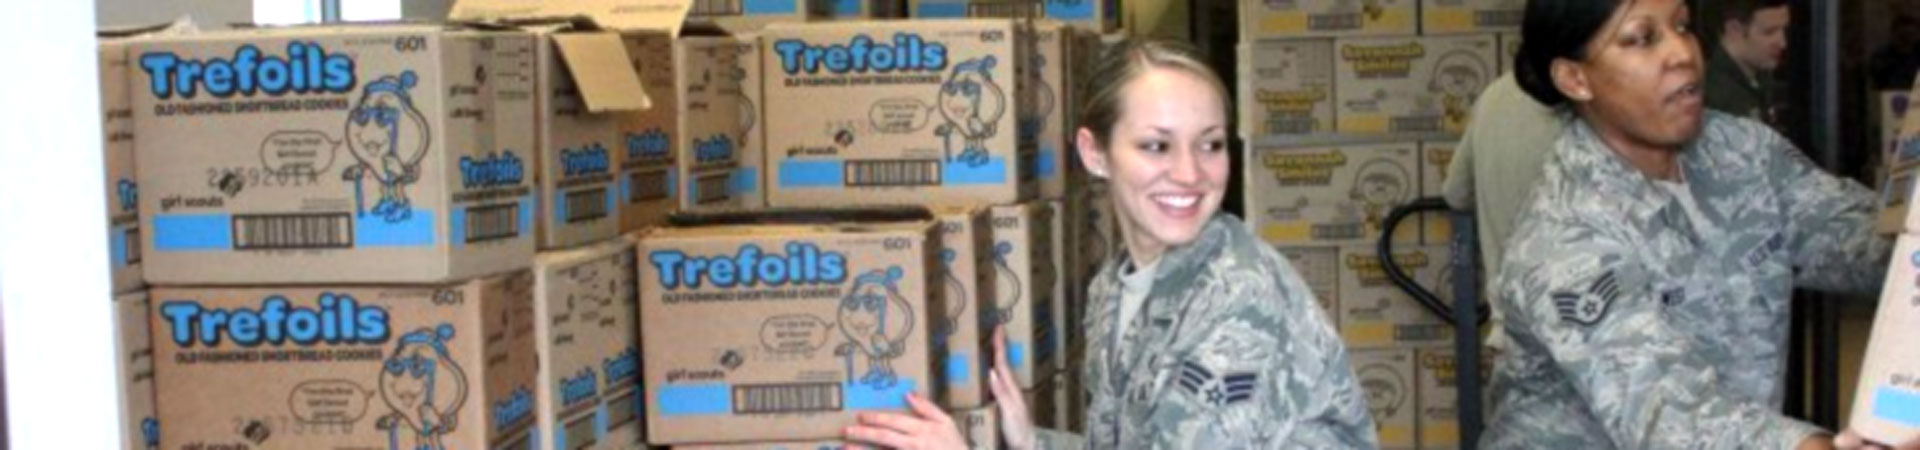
(1128, 60)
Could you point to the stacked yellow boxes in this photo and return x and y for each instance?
(1351, 109)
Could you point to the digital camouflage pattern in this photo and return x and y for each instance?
(1629, 326)
(1230, 351)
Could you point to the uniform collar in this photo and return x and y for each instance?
(1589, 161)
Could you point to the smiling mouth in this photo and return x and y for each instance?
(1176, 201)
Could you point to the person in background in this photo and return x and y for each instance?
(1199, 335)
(1503, 150)
(1753, 40)
(1646, 287)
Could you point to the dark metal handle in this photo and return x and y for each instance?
(1399, 277)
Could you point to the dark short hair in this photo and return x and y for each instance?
(1555, 29)
(1743, 10)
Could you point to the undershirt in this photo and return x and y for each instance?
(1680, 192)
(1135, 283)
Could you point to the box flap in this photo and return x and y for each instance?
(602, 71)
(665, 15)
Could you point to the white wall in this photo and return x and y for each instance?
(208, 14)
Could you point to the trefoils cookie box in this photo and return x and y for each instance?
(348, 367)
(123, 209)
(1024, 276)
(713, 120)
(1411, 84)
(901, 112)
(139, 426)
(1046, 123)
(588, 345)
(1288, 19)
(1089, 14)
(749, 183)
(1886, 405)
(1286, 87)
(967, 259)
(784, 332)
(329, 155)
(1338, 195)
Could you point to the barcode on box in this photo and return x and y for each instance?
(648, 186)
(716, 8)
(133, 245)
(1005, 9)
(894, 172)
(786, 398)
(292, 231)
(580, 433)
(622, 410)
(524, 441)
(493, 222)
(586, 205)
(713, 188)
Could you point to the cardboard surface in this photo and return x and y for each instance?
(659, 15)
(829, 320)
(1286, 87)
(1320, 267)
(1330, 195)
(1066, 307)
(926, 116)
(1435, 158)
(347, 367)
(1387, 376)
(750, 184)
(597, 62)
(1047, 77)
(979, 426)
(707, 82)
(793, 445)
(650, 171)
(1886, 406)
(396, 156)
(1265, 19)
(1100, 15)
(1374, 313)
(1024, 276)
(588, 347)
(577, 193)
(139, 426)
(1439, 394)
(966, 255)
(1411, 84)
(1471, 16)
(123, 212)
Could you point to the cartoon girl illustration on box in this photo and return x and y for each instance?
(972, 105)
(388, 138)
(876, 320)
(1458, 78)
(1378, 186)
(424, 388)
(957, 299)
(1006, 284)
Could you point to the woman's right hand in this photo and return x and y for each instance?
(1016, 429)
(1850, 440)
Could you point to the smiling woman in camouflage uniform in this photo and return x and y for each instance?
(1199, 335)
(1647, 285)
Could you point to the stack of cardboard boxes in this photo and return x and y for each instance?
(1351, 109)
(1886, 404)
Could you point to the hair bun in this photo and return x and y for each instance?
(1534, 73)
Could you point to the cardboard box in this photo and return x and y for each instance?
(139, 426)
(1886, 404)
(1097, 15)
(588, 346)
(1436, 228)
(1375, 313)
(1289, 19)
(1286, 87)
(794, 445)
(654, 168)
(1097, 235)
(1331, 195)
(966, 255)
(1024, 276)
(1411, 84)
(1439, 394)
(347, 367)
(1067, 308)
(1320, 267)
(1041, 408)
(1046, 123)
(397, 155)
(831, 320)
(749, 180)
(931, 122)
(1471, 16)
(711, 119)
(1387, 376)
(980, 426)
(116, 125)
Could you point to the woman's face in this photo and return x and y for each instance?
(1642, 76)
(1166, 159)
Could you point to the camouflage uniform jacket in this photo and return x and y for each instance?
(1229, 351)
(1629, 326)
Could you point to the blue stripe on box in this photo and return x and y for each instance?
(845, 8)
(695, 400)
(959, 368)
(928, 9)
(693, 192)
(860, 396)
(745, 181)
(600, 423)
(673, 182)
(192, 232)
(376, 231)
(1070, 9)
(526, 214)
(457, 226)
(560, 436)
(117, 245)
(613, 203)
(769, 7)
(960, 173)
(559, 207)
(1048, 164)
(812, 173)
(626, 189)
(1017, 354)
(1895, 405)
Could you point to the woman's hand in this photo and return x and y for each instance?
(1016, 429)
(1850, 440)
(927, 428)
